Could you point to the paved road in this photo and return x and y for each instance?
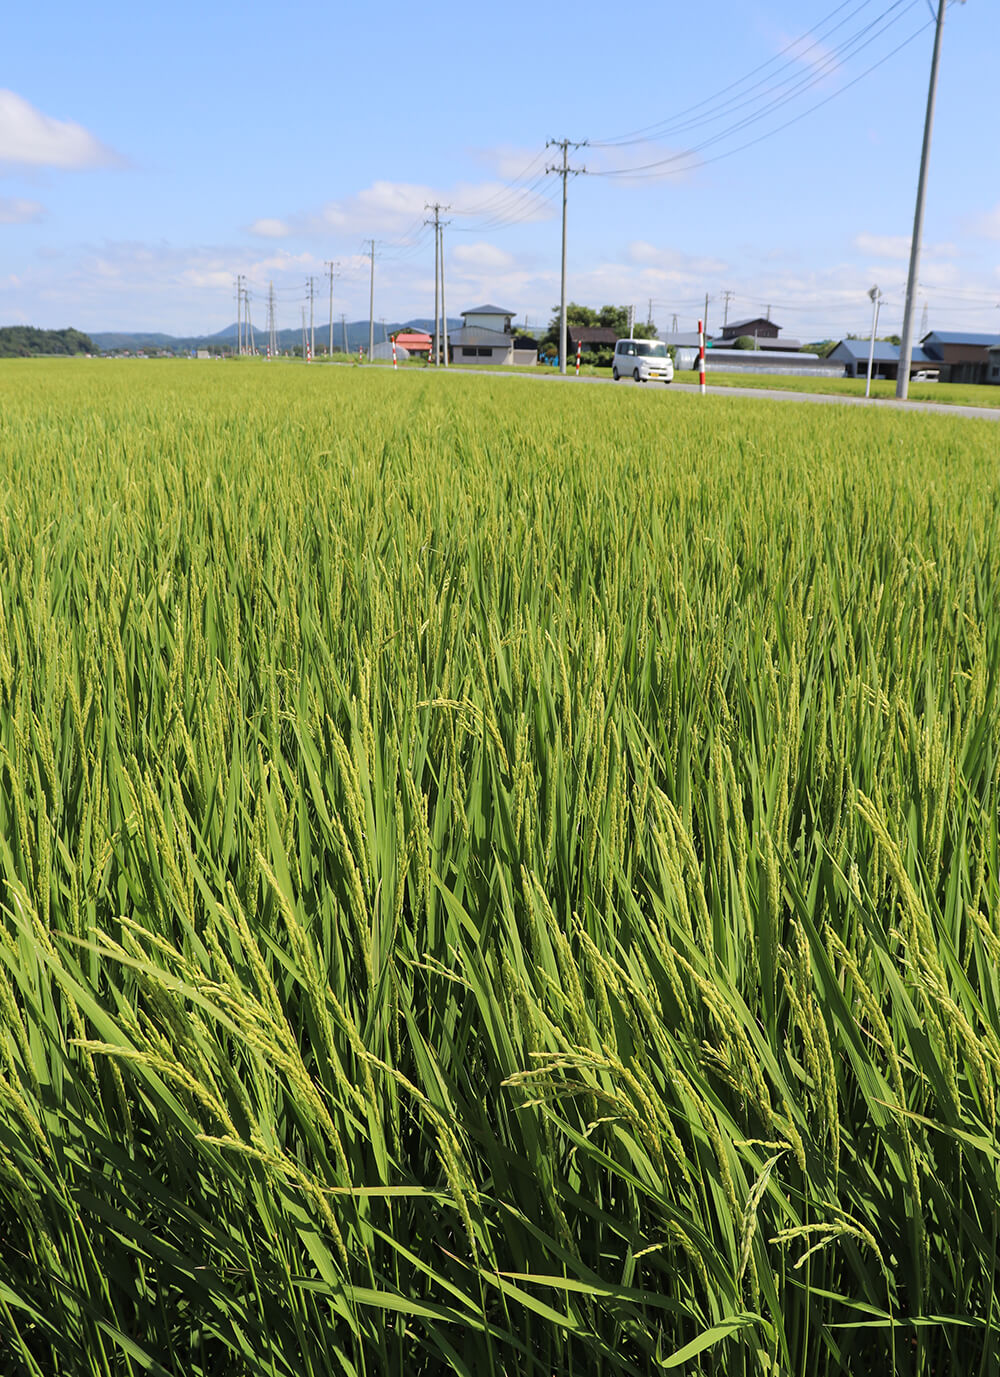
(760, 394)
(756, 393)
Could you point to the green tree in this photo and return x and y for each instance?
(610, 317)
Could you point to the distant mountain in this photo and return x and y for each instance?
(224, 340)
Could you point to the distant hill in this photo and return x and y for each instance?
(118, 342)
(26, 341)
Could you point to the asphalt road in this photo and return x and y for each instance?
(755, 393)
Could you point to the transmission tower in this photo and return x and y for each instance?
(272, 327)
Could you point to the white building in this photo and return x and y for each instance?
(486, 337)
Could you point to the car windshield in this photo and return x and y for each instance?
(651, 349)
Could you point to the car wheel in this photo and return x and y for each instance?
(667, 382)
(635, 374)
(615, 374)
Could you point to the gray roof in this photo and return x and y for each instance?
(476, 335)
(488, 311)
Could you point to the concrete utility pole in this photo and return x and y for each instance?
(272, 327)
(371, 304)
(704, 319)
(332, 267)
(311, 284)
(906, 343)
(565, 171)
(727, 297)
(437, 222)
(444, 312)
(343, 326)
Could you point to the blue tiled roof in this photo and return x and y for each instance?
(960, 337)
(884, 351)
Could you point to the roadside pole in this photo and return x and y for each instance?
(701, 357)
(579, 346)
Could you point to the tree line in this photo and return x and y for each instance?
(27, 341)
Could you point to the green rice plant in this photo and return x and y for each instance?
(489, 884)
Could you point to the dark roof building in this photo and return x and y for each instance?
(963, 355)
(758, 326)
(591, 336)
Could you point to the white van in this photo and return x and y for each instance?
(642, 359)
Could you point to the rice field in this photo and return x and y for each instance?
(494, 880)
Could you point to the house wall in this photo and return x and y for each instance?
(482, 355)
(524, 356)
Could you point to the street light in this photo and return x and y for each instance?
(876, 299)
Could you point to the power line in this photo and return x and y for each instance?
(653, 169)
(643, 134)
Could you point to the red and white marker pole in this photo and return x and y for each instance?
(579, 346)
(394, 364)
(701, 357)
(359, 353)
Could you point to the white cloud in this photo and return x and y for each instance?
(987, 225)
(29, 137)
(896, 247)
(671, 262)
(14, 211)
(883, 246)
(397, 210)
(817, 57)
(474, 258)
(270, 229)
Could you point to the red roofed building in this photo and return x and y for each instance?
(415, 341)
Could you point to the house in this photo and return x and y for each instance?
(760, 329)
(963, 357)
(486, 337)
(993, 368)
(414, 341)
(589, 337)
(853, 354)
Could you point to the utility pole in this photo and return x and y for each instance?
(906, 343)
(305, 341)
(343, 326)
(239, 313)
(704, 320)
(371, 303)
(728, 296)
(444, 313)
(251, 342)
(311, 284)
(673, 324)
(272, 329)
(437, 222)
(333, 267)
(565, 171)
(649, 317)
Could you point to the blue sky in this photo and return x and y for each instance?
(148, 154)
